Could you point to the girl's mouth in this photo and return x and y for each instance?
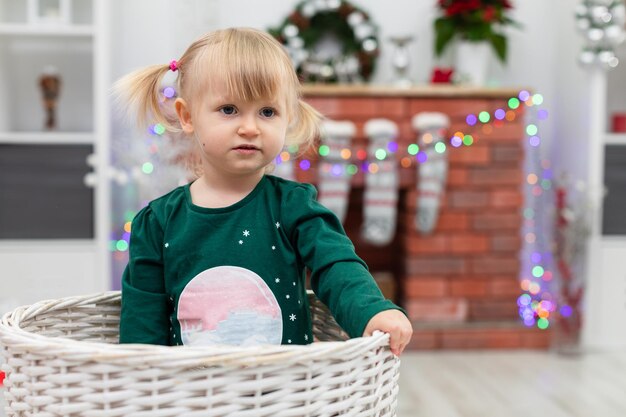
(246, 149)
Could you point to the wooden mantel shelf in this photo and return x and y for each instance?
(421, 91)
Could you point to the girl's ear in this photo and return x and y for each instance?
(184, 115)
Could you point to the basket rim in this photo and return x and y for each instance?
(12, 336)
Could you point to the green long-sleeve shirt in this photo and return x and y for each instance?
(236, 275)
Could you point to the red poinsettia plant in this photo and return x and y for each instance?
(474, 21)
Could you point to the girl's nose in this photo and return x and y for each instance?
(248, 127)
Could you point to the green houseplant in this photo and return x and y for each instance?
(473, 21)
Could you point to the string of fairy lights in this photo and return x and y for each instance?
(536, 302)
(356, 160)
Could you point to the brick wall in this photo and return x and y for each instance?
(459, 285)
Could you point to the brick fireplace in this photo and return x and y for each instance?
(459, 285)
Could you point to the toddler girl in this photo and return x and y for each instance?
(222, 260)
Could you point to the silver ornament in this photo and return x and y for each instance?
(355, 19)
(303, 55)
(370, 45)
(321, 5)
(601, 22)
(327, 71)
(619, 14)
(595, 35)
(296, 42)
(334, 4)
(309, 10)
(614, 35)
(607, 59)
(290, 31)
(599, 14)
(363, 31)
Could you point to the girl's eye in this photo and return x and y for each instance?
(228, 110)
(268, 112)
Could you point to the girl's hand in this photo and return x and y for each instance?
(396, 324)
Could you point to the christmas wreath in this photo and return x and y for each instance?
(315, 21)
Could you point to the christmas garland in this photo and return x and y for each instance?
(312, 21)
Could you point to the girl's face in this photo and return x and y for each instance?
(238, 138)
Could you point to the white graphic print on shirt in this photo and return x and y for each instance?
(229, 305)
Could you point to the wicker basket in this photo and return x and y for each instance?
(62, 359)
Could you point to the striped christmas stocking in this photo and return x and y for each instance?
(381, 184)
(431, 128)
(333, 178)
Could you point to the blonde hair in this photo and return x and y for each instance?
(251, 62)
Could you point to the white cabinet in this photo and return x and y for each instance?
(605, 303)
(610, 299)
(54, 225)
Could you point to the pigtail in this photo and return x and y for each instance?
(306, 128)
(139, 95)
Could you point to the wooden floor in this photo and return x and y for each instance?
(512, 384)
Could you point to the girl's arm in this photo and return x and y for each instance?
(145, 308)
(338, 276)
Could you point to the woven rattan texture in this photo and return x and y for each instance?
(62, 359)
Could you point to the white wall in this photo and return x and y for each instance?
(570, 109)
(147, 32)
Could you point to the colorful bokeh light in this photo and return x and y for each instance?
(484, 117)
(305, 165)
(147, 168)
(513, 103)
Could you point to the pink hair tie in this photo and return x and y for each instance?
(174, 65)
